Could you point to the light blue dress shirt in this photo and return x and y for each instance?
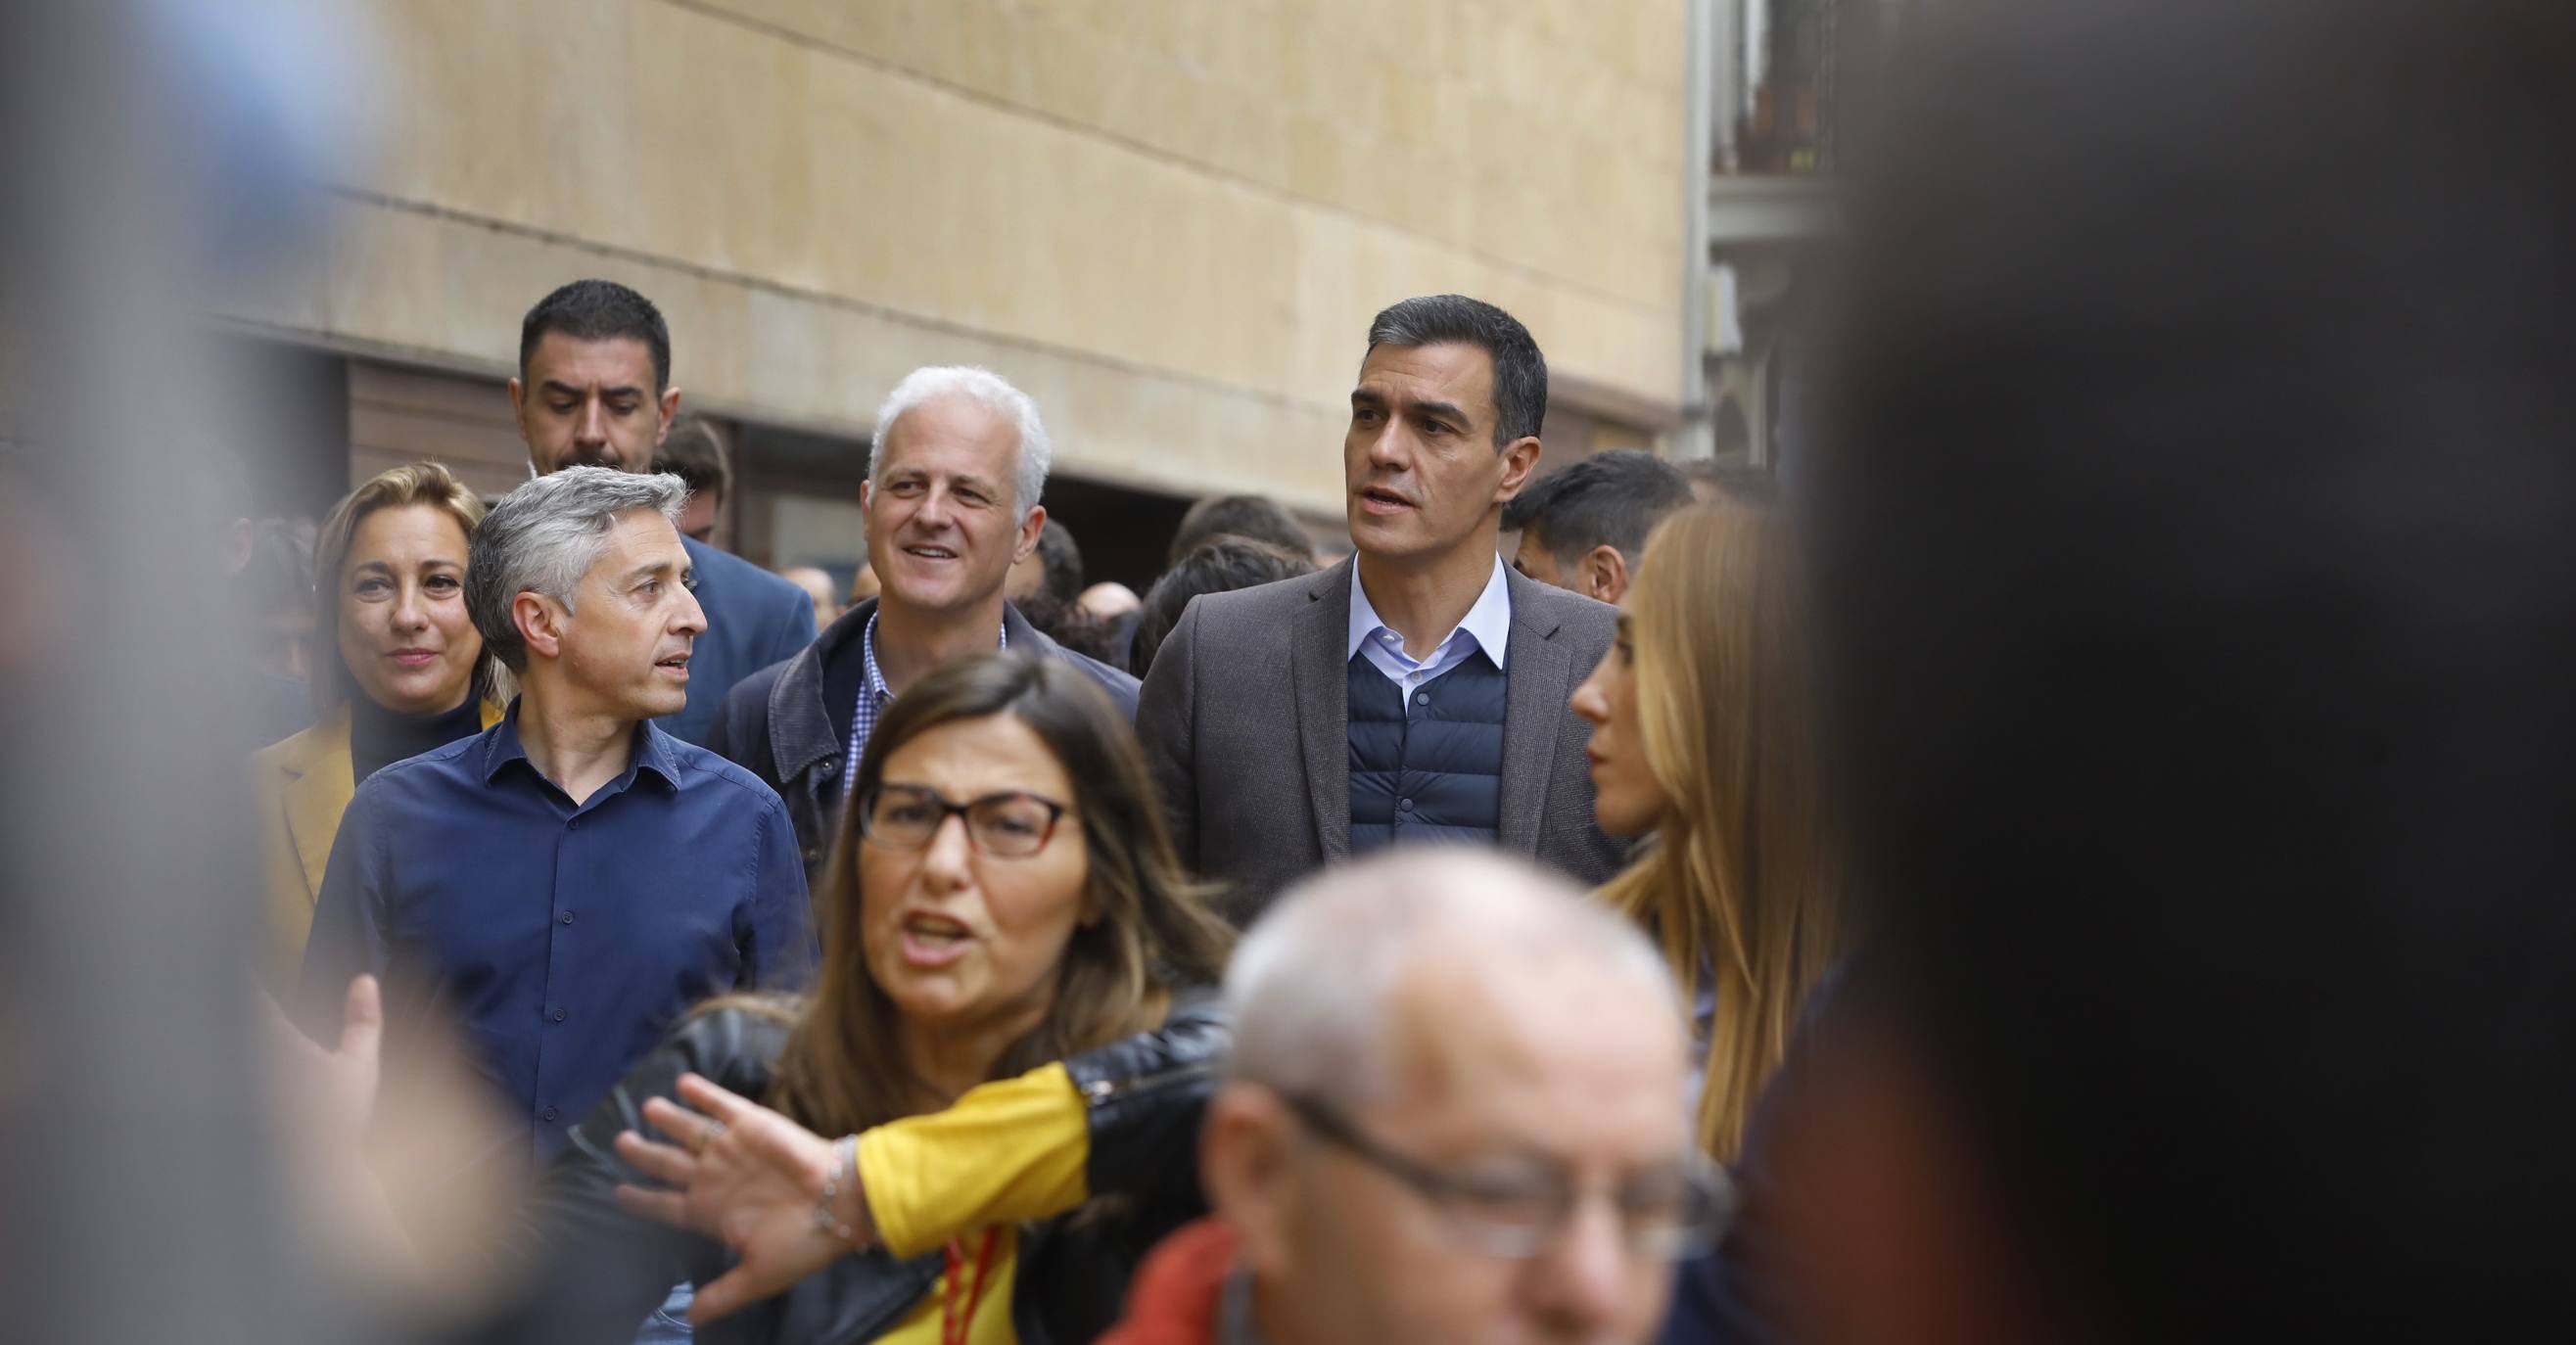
(1487, 627)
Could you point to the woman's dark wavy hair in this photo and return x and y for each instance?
(843, 1069)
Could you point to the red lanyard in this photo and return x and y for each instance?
(953, 1324)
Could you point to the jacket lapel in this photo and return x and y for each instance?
(800, 726)
(1322, 676)
(317, 786)
(1538, 680)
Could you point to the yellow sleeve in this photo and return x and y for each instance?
(1011, 1151)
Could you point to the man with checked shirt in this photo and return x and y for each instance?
(951, 501)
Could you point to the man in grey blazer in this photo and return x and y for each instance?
(1416, 691)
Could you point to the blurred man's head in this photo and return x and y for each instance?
(1444, 427)
(594, 379)
(863, 584)
(695, 453)
(1055, 568)
(818, 586)
(1222, 564)
(1454, 1112)
(952, 492)
(1583, 526)
(1251, 516)
(578, 583)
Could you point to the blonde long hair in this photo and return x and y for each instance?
(1742, 887)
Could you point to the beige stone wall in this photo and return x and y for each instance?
(1169, 219)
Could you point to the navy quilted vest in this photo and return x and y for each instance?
(1436, 775)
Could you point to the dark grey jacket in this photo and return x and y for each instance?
(1245, 723)
(775, 725)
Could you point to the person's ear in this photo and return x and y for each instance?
(1605, 573)
(1520, 458)
(1030, 527)
(670, 407)
(519, 418)
(540, 621)
(1247, 1156)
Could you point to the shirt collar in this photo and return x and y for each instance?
(1488, 623)
(652, 752)
(874, 678)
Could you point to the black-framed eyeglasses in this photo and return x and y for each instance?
(1013, 825)
(1663, 1215)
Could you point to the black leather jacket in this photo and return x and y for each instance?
(597, 1272)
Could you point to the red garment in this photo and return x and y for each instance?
(1174, 1298)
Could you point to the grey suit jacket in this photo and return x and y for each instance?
(1245, 721)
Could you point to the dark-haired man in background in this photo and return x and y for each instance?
(1250, 516)
(695, 453)
(1417, 691)
(594, 389)
(1583, 526)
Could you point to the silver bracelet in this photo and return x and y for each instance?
(844, 1176)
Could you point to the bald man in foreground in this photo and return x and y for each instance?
(1454, 1113)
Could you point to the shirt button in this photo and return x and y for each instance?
(1389, 637)
(559, 1015)
(1405, 804)
(547, 1115)
(567, 917)
(828, 768)
(573, 825)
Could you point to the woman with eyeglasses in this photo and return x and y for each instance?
(1005, 924)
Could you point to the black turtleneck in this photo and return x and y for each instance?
(379, 737)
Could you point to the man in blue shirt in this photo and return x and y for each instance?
(594, 389)
(564, 885)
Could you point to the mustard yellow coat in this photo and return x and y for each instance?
(302, 785)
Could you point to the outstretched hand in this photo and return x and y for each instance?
(745, 1176)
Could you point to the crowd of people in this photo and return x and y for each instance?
(2072, 852)
(866, 970)
(2078, 863)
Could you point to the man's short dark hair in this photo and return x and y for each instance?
(1063, 562)
(1608, 499)
(1221, 564)
(1520, 371)
(598, 310)
(1237, 516)
(695, 453)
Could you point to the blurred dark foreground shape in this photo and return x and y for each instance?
(2197, 538)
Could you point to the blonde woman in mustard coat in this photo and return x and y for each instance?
(397, 670)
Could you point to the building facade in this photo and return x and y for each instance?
(1169, 220)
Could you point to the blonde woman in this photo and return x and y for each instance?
(1703, 739)
(397, 670)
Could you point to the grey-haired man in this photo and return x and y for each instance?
(952, 503)
(1450, 1114)
(563, 885)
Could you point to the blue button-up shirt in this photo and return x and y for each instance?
(1487, 627)
(560, 942)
